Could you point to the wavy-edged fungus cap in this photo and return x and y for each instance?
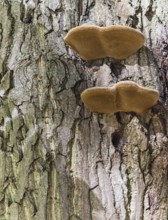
(93, 42)
(125, 96)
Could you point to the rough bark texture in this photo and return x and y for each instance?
(58, 161)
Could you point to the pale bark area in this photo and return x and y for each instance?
(58, 161)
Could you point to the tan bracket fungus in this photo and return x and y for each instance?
(93, 42)
(125, 96)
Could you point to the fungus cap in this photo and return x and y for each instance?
(93, 42)
(125, 96)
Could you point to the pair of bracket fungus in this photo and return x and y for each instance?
(118, 42)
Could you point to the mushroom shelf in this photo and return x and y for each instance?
(93, 42)
(125, 96)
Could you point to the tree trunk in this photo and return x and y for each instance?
(59, 161)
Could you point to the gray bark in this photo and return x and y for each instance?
(58, 161)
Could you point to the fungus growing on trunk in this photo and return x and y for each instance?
(125, 96)
(93, 42)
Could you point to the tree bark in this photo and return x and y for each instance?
(59, 161)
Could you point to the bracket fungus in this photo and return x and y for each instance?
(125, 96)
(93, 42)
